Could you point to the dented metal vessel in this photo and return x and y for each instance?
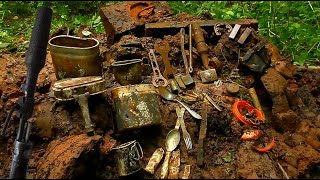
(136, 106)
(75, 57)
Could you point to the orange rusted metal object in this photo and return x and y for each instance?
(251, 135)
(267, 148)
(138, 9)
(237, 108)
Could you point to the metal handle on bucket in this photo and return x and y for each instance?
(138, 154)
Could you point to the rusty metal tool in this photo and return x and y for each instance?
(217, 25)
(184, 56)
(256, 48)
(174, 86)
(255, 99)
(244, 35)
(187, 79)
(178, 78)
(190, 49)
(208, 75)
(200, 44)
(163, 49)
(157, 78)
(186, 172)
(234, 31)
(202, 134)
(212, 102)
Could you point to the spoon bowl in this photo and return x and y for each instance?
(172, 139)
(166, 94)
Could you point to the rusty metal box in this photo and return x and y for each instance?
(135, 106)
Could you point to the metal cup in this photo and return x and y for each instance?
(128, 71)
(74, 57)
(128, 156)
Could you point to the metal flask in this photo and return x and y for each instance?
(127, 71)
(135, 106)
(127, 157)
(75, 57)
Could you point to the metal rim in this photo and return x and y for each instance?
(124, 144)
(126, 62)
(73, 37)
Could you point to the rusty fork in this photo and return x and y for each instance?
(186, 135)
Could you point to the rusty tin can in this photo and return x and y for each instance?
(127, 157)
(135, 106)
(127, 72)
(75, 57)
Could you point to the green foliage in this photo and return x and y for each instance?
(292, 26)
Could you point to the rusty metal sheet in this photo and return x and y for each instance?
(244, 35)
(173, 27)
(118, 19)
(234, 31)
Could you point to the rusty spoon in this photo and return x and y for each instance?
(172, 141)
(166, 94)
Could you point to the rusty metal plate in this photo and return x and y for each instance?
(234, 31)
(173, 27)
(65, 89)
(135, 106)
(244, 36)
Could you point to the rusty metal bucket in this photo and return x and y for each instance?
(128, 71)
(75, 57)
(135, 106)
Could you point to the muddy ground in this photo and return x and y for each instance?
(57, 124)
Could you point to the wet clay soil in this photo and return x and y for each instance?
(59, 124)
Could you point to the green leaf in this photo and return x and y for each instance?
(228, 157)
(97, 20)
(86, 33)
(4, 45)
(230, 13)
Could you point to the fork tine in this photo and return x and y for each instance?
(188, 143)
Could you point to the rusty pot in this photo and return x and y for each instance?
(135, 106)
(75, 57)
(128, 71)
